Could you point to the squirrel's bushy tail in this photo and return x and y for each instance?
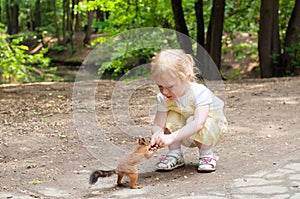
(100, 173)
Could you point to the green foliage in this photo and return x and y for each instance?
(139, 14)
(240, 16)
(100, 25)
(18, 66)
(159, 13)
(123, 63)
(146, 13)
(58, 48)
(285, 10)
(136, 48)
(243, 17)
(242, 50)
(236, 74)
(294, 53)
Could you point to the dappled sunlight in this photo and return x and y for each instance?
(244, 87)
(22, 84)
(265, 110)
(283, 100)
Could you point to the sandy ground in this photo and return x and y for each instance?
(42, 143)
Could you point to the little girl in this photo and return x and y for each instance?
(188, 113)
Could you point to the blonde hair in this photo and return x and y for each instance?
(173, 63)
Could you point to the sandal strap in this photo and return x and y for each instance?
(171, 161)
(208, 160)
(174, 155)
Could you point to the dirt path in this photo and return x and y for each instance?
(40, 146)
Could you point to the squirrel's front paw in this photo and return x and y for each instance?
(154, 147)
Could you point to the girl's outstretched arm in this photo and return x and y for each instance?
(159, 125)
(200, 116)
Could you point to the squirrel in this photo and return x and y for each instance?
(127, 166)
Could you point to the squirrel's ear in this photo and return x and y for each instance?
(142, 141)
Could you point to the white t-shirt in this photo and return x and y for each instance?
(199, 94)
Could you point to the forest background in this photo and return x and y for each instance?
(37, 36)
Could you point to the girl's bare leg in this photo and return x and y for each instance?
(174, 145)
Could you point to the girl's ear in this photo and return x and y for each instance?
(188, 76)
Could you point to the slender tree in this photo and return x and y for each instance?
(267, 44)
(77, 18)
(215, 31)
(181, 27)
(67, 22)
(291, 39)
(200, 22)
(64, 24)
(265, 38)
(276, 47)
(12, 14)
(1, 12)
(56, 22)
(70, 22)
(37, 18)
(88, 28)
(37, 15)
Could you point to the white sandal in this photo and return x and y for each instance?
(207, 164)
(170, 162)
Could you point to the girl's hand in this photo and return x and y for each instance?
(153, 144)
(156, 134)
(163, 140)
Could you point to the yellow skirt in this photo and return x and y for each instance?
(214, 128)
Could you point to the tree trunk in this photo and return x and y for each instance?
(56, 22)
(37, 14)
(265, 38)
(291, 38)
(215, 31)
(100, 15)
(78, 19)
(78, 22)
(200, 22)
(37, 18)
(68, 16)
(71, 18)
(2, 10)
(64, 24)
(181, 28)
(88, 28)
(202, 60)
(12, 14)
(276, 47)
(8, 16)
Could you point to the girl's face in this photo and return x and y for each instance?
(172, 88)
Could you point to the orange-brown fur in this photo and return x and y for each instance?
(127, 166)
